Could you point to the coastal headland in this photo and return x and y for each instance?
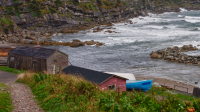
(26, 21)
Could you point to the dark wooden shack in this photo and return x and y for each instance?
(37, 59)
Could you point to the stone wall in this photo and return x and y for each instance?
(61, 61)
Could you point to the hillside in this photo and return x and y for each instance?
(29, 19)
(64, 93)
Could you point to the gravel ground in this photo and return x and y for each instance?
(170, 83)
(23, 99)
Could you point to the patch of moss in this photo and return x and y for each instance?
(52, 10)
(69, 15)
(58, 2)
(45, 11)
(63, 15)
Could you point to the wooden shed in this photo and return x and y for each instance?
(105, 81)
(36, 58)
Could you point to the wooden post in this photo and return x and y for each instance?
(60, 69)
(54, 67)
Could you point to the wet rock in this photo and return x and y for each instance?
(99, 44)
(77, 44)
(154, 55)
(68, 31)
(76, 40)
(175, 54)
(90, 42)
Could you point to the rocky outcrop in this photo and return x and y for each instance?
(74, 43)
(176, 54)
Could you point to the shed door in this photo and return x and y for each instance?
(11, 61)
(34, 65)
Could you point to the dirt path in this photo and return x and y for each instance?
(6, 77)
(21, 95)
(23, 99)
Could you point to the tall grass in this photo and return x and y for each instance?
(71, 93)
(5, 100)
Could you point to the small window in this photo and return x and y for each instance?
(34, 61)
(12, 58)
(112, 87)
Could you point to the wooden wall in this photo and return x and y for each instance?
(26, 63)
(120, 84)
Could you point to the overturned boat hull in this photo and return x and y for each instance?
(143, 85)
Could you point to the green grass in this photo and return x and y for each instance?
(5, 100)
(12, 70)
(161, 91)
(71, 93)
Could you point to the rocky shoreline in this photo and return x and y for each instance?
(176, 54)
(21, 24)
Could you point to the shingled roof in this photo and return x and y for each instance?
(90, 75)
(37, 52)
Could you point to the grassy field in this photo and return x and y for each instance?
(5, 100)
(12, 70)
(70, 93)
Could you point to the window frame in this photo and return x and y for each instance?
(112, 87)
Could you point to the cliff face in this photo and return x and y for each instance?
(27, 19)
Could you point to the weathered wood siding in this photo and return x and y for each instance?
(120, 84)
(62, 60)
(4, 51)
(26, 63)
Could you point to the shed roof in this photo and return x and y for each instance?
(129, 76)
(37, 52)
(91, 75)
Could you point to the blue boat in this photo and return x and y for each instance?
(143, 85)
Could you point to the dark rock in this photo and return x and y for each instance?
(76, 40)
(77, 44)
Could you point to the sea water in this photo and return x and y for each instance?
(128, 50)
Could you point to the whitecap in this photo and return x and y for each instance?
(192, 19)
(155, 27)
(182, 9)
(180, 16)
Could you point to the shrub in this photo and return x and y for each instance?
(58, 2)
(52, 10)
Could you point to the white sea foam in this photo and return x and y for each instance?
(155, 27)
(183, 10)
(180, 16)
(192, 19)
